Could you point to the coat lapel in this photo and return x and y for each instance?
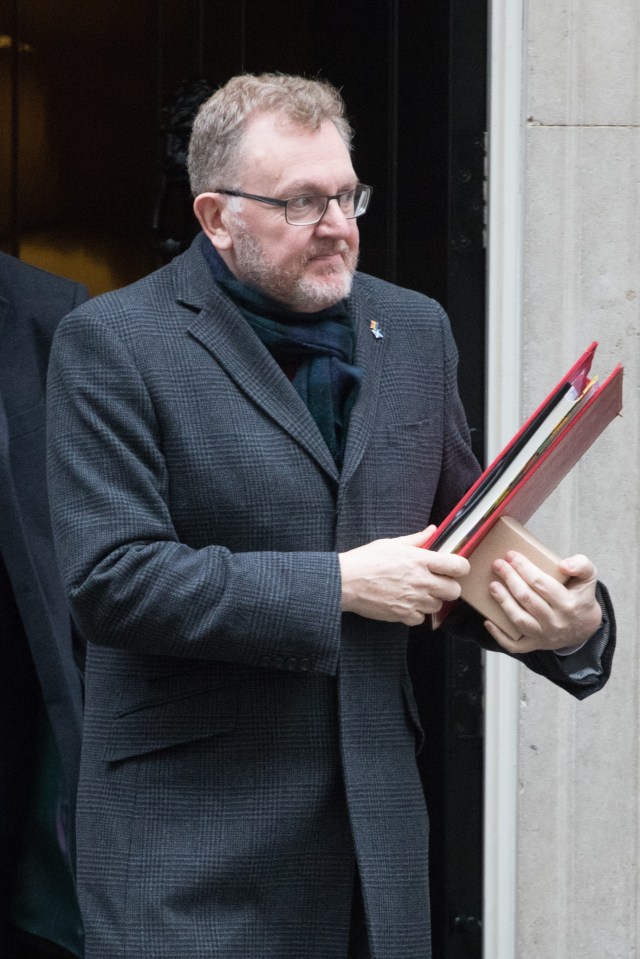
(370, 353)
(223, 332)
(226, 335)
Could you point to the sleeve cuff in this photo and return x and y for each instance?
(585, 660)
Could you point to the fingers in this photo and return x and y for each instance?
(523, 607)
(396, 581)
(523, 644)
(443, 564)
(546, 613)
(525, 580)
(447, 564)
(577, 567)
(525, 593)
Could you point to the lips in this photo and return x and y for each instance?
(328, 258)
(329, 253)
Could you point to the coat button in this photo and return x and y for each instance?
(292, 663)
(304, 664)
(278, 662)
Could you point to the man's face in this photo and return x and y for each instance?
(307, 268)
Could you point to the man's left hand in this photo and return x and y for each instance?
(548, 614)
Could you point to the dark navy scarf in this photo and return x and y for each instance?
(318, 347)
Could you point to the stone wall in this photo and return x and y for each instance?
(579, 763)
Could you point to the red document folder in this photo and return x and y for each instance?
(543, 472)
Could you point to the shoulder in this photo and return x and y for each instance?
(421, 320)
(31, 287)
(125, 314)
(32, 304)
(141, 321)
(397, 299)
(137, 307)
(415, 326)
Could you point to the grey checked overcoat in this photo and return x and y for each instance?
(245, 743)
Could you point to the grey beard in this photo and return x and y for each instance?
(303, 293)
(309, 295)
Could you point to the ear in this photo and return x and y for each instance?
(210, 211)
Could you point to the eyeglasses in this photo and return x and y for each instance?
(307, 210)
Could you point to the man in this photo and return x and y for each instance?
(40, 680)
(247, 448)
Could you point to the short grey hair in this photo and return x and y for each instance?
(219, 126)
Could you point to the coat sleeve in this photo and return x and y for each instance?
(459, 467)
(131, 583)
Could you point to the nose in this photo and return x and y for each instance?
(334, 222)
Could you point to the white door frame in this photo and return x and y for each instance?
(504, 320)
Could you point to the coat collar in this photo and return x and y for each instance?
(224, 332)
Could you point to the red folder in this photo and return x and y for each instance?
(543, 473)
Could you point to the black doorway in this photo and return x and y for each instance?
(84, 88)
(414, 79)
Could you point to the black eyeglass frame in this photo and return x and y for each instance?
(273, 201)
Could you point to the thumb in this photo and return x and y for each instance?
(579, 567)
(418, 539)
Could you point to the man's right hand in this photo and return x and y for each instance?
(396, 581)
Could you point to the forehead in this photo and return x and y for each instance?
(278, 154)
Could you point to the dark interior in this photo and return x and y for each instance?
(94, 103)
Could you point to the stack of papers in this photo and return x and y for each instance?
(532, 464)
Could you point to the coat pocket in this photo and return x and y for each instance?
(161, 725)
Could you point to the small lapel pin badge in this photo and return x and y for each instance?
(374, 326)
